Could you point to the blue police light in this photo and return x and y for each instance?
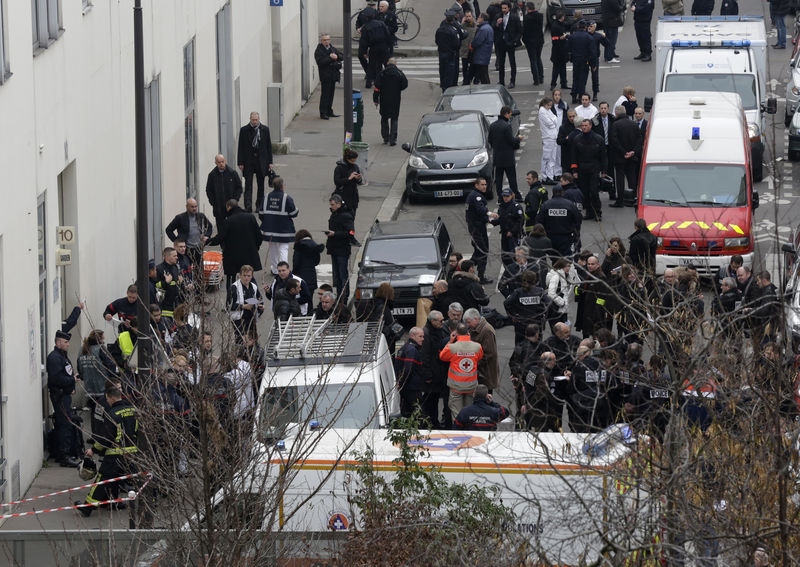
(735, 43)
(281, 445)
(695, 133)
(314, 425)
(687, 43)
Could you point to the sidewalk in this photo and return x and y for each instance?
(308, 171)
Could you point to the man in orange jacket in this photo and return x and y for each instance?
(463, 355)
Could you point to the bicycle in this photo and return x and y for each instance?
(408, 24)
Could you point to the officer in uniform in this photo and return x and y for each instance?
(448, 41)
(537, 195)
(477, 216)
(116, 445)
(589, 161)
(527, 304)
(561, 221)
(510, 218)
(61, 378)
(581, 46)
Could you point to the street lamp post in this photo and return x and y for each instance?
(143, 345)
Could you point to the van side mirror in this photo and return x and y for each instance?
(772, 105)
(515, 112)
(406, 147)
(648, 103)
(755, 200)
(788, 248)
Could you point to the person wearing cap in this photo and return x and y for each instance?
(61, 377)
(448, 43)
(510, 219)
(561, 221)
(483, 414)
(375, 45)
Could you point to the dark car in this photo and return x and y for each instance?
(488, 99)
(449, 151)
(591, 10)
(410, 255)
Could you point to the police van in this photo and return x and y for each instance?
(695, 187)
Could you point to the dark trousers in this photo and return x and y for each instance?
(250, 169)
(219, 221)
(626, 170)
(363, 60)
(375, 64)
(535, 57)
(612, 34)
(480, 250)
(328, 88)
(643, 37)
(580, 73)
(507, 245)
(467, 71)
(589, 184)
(430, 408)
(389, 128)
(448, 71)
(481, 73)
(341, 280)
(111, 467)
(595, 70)
(502, 51)
(409, 400)
(559, 71)
(511, 174)
(562, 243)
(64, 426)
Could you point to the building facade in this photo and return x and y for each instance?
(67, 145)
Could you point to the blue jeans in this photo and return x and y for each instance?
(341, 280)
(780, 25)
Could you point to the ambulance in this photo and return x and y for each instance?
(695, 187)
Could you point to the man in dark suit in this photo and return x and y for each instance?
(254, 157)
(193, 227)
(508, 32)
(640, 120)
(241, 238)
(329, 61)
(223, 185)
(602, 126)
(533, 38)
(503, 143)
(626, 149)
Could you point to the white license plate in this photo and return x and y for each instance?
(403, 311)
(449, 193)
(585, 11)
(695, 261)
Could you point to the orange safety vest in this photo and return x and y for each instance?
(463, 356)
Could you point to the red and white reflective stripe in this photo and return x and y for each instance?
(76, 506)
(68, 490)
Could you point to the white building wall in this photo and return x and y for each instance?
(70, 109)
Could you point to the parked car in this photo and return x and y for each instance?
(449, 151)
(792, 89)
(591, 10)
(410, 255)
(488, 99)
(793, 148)
(791, 306)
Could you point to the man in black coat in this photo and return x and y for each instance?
(582, 46)
(254, 156)
(448, 44)
(533, 38)
(434, 370)
(589, 161)
(61, 376)
(223, 185)
(503, 143)
(612, 12)
(375, 44)
(625, 145)
(389, 84)
(559, 55)
(642, 249)
(642, 15)
(341, 234)
(565, 137)
(241, 238)
(193, 227)
(508, 32)
(329, 62)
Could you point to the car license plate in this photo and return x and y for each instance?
(586, 11)
(403, 311)
(449, 193)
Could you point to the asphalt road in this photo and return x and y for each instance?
(775, 219)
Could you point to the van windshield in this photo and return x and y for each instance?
(332, 405)
(743, 85)
(695, 185)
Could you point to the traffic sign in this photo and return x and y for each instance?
(276, 2)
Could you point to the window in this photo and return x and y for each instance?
(46, 18)
(5, 72)
(190, 134)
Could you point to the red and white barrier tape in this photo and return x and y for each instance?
(68, 490)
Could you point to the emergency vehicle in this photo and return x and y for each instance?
(695, 187)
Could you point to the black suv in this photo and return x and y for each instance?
(411, 255)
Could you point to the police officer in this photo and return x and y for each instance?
(527, 304)
(116, 445)
(376, 45)
(477, 216)
(483, 414)
(582, 47)
(537, 195)
(561, 221)
(448, 42)
(510, 218)
(571, 191)
(61, 378)
(642, 15)
(589, 161)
